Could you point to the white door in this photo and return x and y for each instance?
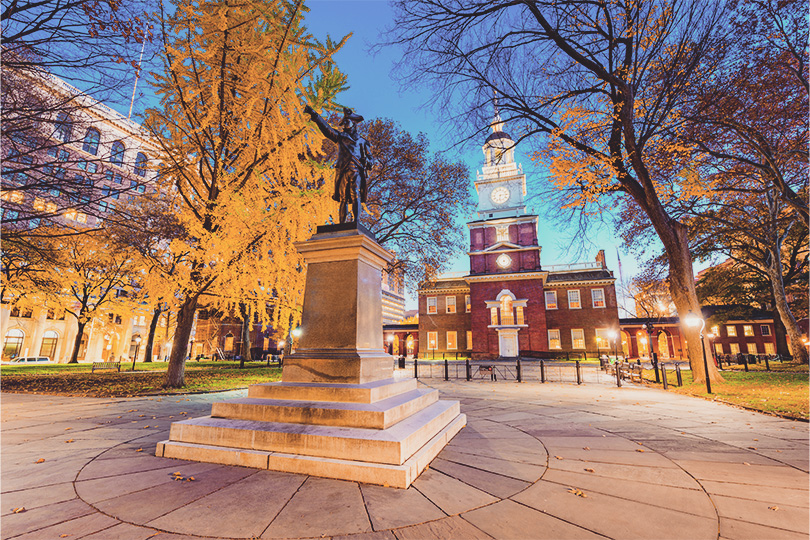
(508, 344)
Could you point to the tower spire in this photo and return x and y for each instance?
(497, 124)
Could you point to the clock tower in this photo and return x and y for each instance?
(505, 279)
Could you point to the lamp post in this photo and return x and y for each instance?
(693, 321)
(137, 348)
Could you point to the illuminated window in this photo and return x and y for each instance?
(602, 338)
(468, 305)
(12, 196)
(765, 330)
(716, 330)
(431, 305)
(228, 346)
(748, 330)
(432, 340)
(117, 154)
(752, 348)
(578, 338)
(81, 218)
(452, 341)
(735, 348)
(50, 207)
(718, 348)
(39, 204)
(770, 349)
(450, 304)
(493, 316)
(598, 298)
(71, 215)
(573, 299)
(554, 339)
(91, 140)
(507, 315)
(469, 339)
(551, 299)
(519, 314)
(731, 330)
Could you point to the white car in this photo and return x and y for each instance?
(27, 361)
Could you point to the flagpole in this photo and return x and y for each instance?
(137, 76)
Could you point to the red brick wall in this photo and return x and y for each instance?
(442, 322)
(587, 318)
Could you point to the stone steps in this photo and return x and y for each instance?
(380, 414)
(355, 393)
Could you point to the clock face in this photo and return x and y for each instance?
(503, 260)
(499, 195)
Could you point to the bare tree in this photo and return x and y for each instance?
(592, 84)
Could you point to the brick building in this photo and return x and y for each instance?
(510, 304)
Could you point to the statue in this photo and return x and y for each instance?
(354, 159)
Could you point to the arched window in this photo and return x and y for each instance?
(663, 345)
(91, 139)
(49, 341)
(507, 314)
(64, 127)
(228, 346)
(12, 344)
(117, 154)
(140, 164)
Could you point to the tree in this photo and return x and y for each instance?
(235, 146)
(593, 84)
(414, 198)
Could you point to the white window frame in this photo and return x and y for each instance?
(520, 319)
(750, 346)
(452, 344)
(578, 301)
(493, 316)
(748, 330)
(593, 299)
(575, 339)
(554, 294)
(731, 330)
(554, 335)
(765, 329)
(602, 337)
(770, 348)
(718, 348)
(432, 305)
(449, 304)
(734, 348)
(467, 303)
(433, 337)
(469, 340)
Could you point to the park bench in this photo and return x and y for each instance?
(105, 365)
(632, 372)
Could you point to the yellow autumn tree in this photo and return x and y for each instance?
(235, 148)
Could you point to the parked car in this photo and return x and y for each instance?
(27, 361)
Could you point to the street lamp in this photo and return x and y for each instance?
(296, 333)
(137, 348)
(693, 321)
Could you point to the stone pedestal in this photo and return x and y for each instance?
(339, 412)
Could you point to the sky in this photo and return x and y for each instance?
(374, 92)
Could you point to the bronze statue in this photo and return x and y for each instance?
(354, 159)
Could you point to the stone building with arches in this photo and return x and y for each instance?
(509, 304)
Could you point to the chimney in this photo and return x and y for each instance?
(600, 258)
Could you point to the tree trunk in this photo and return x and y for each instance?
(77, 343)
(245, 312)
(150, 340)
(774, 271)
(175, 375)
(779, 333)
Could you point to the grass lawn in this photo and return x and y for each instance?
(783, 392)
(76, 379)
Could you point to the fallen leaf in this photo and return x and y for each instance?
(144, 427)
(63, 535)
(586, 448)
(69, 440)
(67, 428)
(191, 478)
(132, 410)
(746, 463)
(19, 510)
(589, 470)
(639, 450)
(640, 444)
(774, 508)
(40, 460)
(577, 492)
(752, 447)
(139, 450)
(558, 457)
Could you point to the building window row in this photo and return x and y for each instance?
(64, 130)
(578, 338)
(451, 340)
(449, 304)
(748, 330)
(574, 299)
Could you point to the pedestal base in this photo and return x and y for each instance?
(385, 432)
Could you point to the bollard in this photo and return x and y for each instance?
(638, 361)
(469, 371)
(767, 364)
(618, 374)
(579, 374)
(519, 374)
(745, 361)
(664, 376)
(446, 371)
(542, 371)
(654, 360)
(415, 367)
(678, 374)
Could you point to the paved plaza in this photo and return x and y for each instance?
(535, 461)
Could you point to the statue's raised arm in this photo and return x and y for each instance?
(354, 159)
